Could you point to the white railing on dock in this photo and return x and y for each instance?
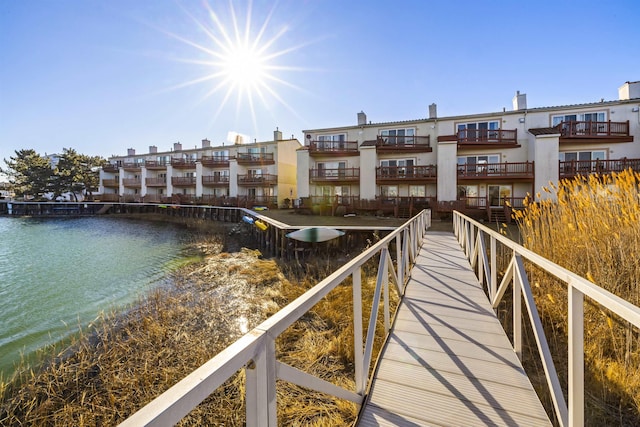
(472, 236)
(255, 351)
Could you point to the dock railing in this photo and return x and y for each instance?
(255, 352)
(473, 236)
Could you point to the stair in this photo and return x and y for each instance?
(104, 209)
(498, 216)
(404, 211)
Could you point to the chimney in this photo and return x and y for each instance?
(629, 90)
(519, 101)
(433, 111)
(206, 143)
(277, 135)
(131, 151)
(177, 146)
(362, 118)
(238, 139)
(153, 149)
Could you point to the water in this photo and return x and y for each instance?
(57, 274)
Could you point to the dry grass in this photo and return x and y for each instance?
(593, 230)
(123, 361)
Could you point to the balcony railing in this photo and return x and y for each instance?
(487, 137)
(257, 180)
(571, 168)
(404, 143)
(333, 148)
(156, 164)
(577, 129)
(406, 173)
(110, 167)
(183, 181)
(155, 182)
(110, 183)
(215, 161)
(131, 166)
(183, 163)
(255, 158)
(495, 170)
(335, 175)
(132, 182)
(215, 180)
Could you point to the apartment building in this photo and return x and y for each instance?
(239, 174)
(479, 163)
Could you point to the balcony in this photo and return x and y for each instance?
(155, 182)
(111, 168)
(598, 132)
(255, 159)
(132, 167)
(110, 183)
(495, 171)
(570, 169)
(183, 181)
(403, 144)
(132, 182)
(333, 148)
(155, 164)
(215, 161)
(484, 138)
(335, 175)
(215, 180)
(183, 163)
(257, 180)
(394, 174)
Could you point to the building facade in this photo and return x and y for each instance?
(479, 163)
(241, 174)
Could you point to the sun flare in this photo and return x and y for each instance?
(241, 60)
(244, 67)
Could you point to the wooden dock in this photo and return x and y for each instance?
(447, 361)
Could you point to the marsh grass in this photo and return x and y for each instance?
(122, 361)
(592, 229)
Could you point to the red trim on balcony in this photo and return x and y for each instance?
(333, 148)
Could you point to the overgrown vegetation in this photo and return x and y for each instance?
(593, 229)
(122, 362)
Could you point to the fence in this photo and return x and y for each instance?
(472, 236)
(255, 351)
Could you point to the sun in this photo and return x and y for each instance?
(243, 58)
(244, 67)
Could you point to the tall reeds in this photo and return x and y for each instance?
(123, 361)
(591, 226)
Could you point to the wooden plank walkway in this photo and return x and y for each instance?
(447, 361)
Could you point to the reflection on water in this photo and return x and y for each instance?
(58, 274)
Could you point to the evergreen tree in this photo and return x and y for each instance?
(29, 173)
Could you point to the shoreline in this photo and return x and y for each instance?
(118, 364)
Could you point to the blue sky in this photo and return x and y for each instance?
(101, 76)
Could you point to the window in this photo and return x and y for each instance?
(499, 194)
(599, 116)
(389, 191)
(581, 161)
(470, 165)
(399, 167)
(474, 131)
(222, 154)
(398, 136)
(332, 169)
(417, 191)
(469, 193)
(163, 160)
(332, 142)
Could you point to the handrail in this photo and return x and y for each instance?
(256, 350)
(473, 243)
